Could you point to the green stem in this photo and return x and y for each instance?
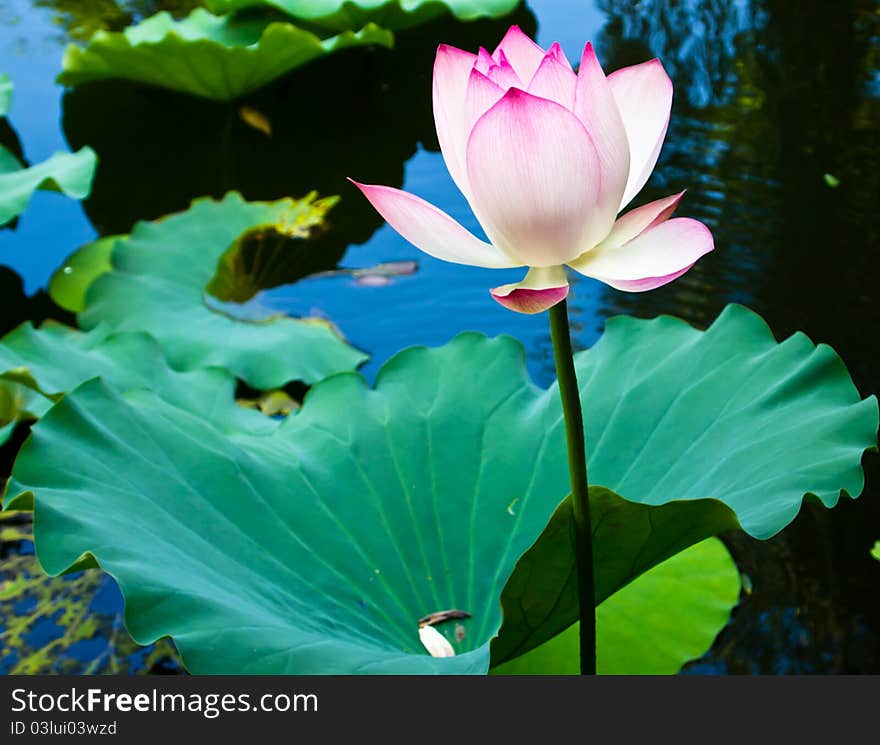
(577, 469)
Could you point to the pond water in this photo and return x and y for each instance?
(775, 133)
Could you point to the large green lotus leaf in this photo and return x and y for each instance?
(69, 173)
(158, 285)
(727, 414)
(338, 15)
(317, 548)
(220, 58)
(540, 599)
(55, 359)
(37, 366)
(668, 616)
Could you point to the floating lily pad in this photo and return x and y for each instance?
(158, 285)
(72, 279)
(338, 15)
(38, 366)
(262, 258)
(217, 57)
(129, 126)
(68, 173)
(317, 548)
(665, 618)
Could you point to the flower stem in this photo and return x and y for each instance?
(577, 469)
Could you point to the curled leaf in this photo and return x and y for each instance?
(216, 57)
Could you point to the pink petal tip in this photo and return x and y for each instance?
(528, 301)
(648, 283)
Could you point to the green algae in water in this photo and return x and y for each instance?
(71, 624)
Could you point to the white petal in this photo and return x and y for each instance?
(452, 68)
(657, 256)
(595, 106)
(431, 230)
(436, 644)
(534, 179)
(640, 219)
(482, 94)
(644, 98)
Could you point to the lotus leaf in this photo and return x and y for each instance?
(216, 57)
(318, 547)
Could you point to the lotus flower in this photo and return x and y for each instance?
(547, 159)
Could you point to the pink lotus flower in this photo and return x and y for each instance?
(547, 158)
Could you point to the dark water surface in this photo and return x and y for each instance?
(775, 133)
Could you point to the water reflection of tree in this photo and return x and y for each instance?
(81, 18)
(696, 39)
(770, 97)
(701, 45)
